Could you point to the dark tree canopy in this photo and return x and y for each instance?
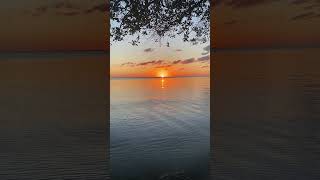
(160, 19)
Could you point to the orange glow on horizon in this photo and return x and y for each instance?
(163, 73)
(151, 71)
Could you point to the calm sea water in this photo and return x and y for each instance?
(53, 121)
(266, 115)
(160, 127)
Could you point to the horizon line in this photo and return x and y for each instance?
(157, 76)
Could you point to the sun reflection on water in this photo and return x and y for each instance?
(162, 83)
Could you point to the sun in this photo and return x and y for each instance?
(163, 73)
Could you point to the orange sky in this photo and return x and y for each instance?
(149, 59)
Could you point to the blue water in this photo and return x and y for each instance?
(160, 127)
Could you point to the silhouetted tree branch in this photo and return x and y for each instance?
(159, 19)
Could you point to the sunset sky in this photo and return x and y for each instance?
(155, 59)
(150, 59)
(51, 25)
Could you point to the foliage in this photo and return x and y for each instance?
(159, 19)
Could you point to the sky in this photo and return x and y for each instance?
(235, 24)
(265, 23)
(152, 59)
(51, 25)
(155, 59)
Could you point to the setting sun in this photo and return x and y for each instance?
(163, 73)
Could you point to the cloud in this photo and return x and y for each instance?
(128, 64)
(98, 8)
(176, 62)
(206, 66)
(154, 62)
(66, 8)
(298, 2)
(192, 60)
(188, 61)
(39, 10)
(164, 66)
(148, 50)
(204, 58)
(304, 16)
(206, 50)
(145, 63)
(65, 5)
(240, 4)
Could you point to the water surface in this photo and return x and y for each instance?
(160, 127)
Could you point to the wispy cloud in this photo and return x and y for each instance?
(66, 8)
(187, 61)
(204, 58)
(298, 2)
(39, 10)
(128, 64)
(304, 16)
(66, 5)
(154, 62)
(176, 62)
(98, 8)
(206, 50)
(166, 64)
(145, 63)
(148, 50)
